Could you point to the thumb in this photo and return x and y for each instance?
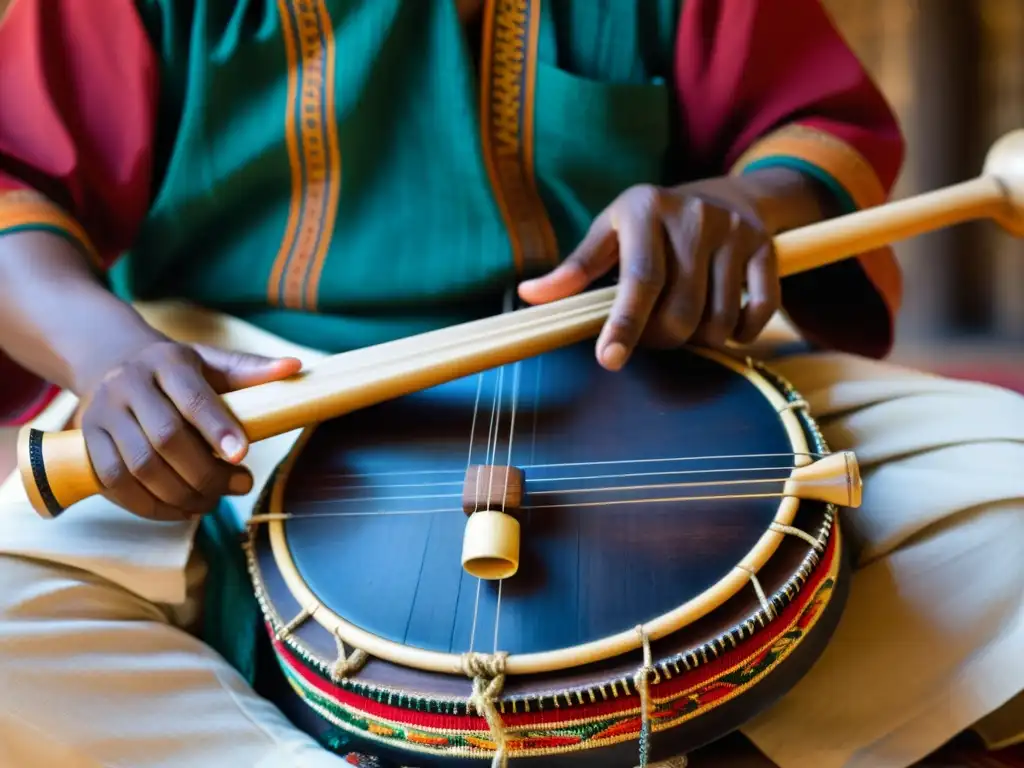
(593, 258)
(227, 371)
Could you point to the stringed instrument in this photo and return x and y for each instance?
(484, 547)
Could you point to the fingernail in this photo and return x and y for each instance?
(614, 355)
(231, 447)
(239, 484)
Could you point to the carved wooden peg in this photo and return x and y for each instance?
(834, 479)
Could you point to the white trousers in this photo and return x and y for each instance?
(98, 668)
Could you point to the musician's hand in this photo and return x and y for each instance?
(686, 255)
(162, 443)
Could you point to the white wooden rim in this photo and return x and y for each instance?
(550, 661)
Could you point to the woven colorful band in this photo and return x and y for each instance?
(24, 211)
(846, 173)
(836, 163)
(585, 723)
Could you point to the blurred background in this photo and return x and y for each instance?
(954, 72)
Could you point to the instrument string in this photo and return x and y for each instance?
(492, 439)
(614, 462)
(508, 469)
(533, 507)
(536, 411)
(567, 478)
(492, 454)
(531, 485)
(563, 491)
(469, 463)
(476, 506)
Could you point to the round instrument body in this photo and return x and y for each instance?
(651, 519)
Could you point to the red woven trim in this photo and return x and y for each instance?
(749, 654)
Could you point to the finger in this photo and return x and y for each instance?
(120, 486)
(691, 246)
(725, 294)
(593, 258)
(228, 371)
(182, 448)
(641, 279)
(764, 295)
(202, 407)
(146, 465)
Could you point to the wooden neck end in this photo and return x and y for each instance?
(55, 470)
(1005, 163)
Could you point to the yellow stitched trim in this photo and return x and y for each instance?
(782, 644)
(508, 76)
(313, 153)
(833, 155)
(482, 744)
(23, 209)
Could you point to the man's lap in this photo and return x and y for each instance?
(935, 618)
(934, 453)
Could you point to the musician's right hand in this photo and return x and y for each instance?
(161, 441)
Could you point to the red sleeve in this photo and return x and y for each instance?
(772, 82)
(78, 85)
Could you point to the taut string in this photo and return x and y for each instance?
(615, 462)
(563, 505)
(593, 489)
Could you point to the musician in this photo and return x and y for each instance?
(316, 176)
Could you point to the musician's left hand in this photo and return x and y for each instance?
(686, 257)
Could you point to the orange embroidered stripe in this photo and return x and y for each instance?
(292, 143)
(833, 155)
(333, 162)
(24, 210)
(853, 173)
(508, 76)
(312, 140)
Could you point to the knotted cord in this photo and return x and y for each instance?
(642, 680)
(347, 664)
(487, 671)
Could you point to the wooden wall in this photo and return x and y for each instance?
(954, 72)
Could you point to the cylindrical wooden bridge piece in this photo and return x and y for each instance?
(490, 547)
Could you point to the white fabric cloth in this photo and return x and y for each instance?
(932, 638)
(96, 668)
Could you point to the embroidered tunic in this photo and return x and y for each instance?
(345, 172)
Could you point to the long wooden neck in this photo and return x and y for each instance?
(833, 240)
(57, 472)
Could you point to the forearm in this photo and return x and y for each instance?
(57, 319)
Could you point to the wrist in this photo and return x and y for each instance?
(124, 335)
(57, 319)
(787, 198)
